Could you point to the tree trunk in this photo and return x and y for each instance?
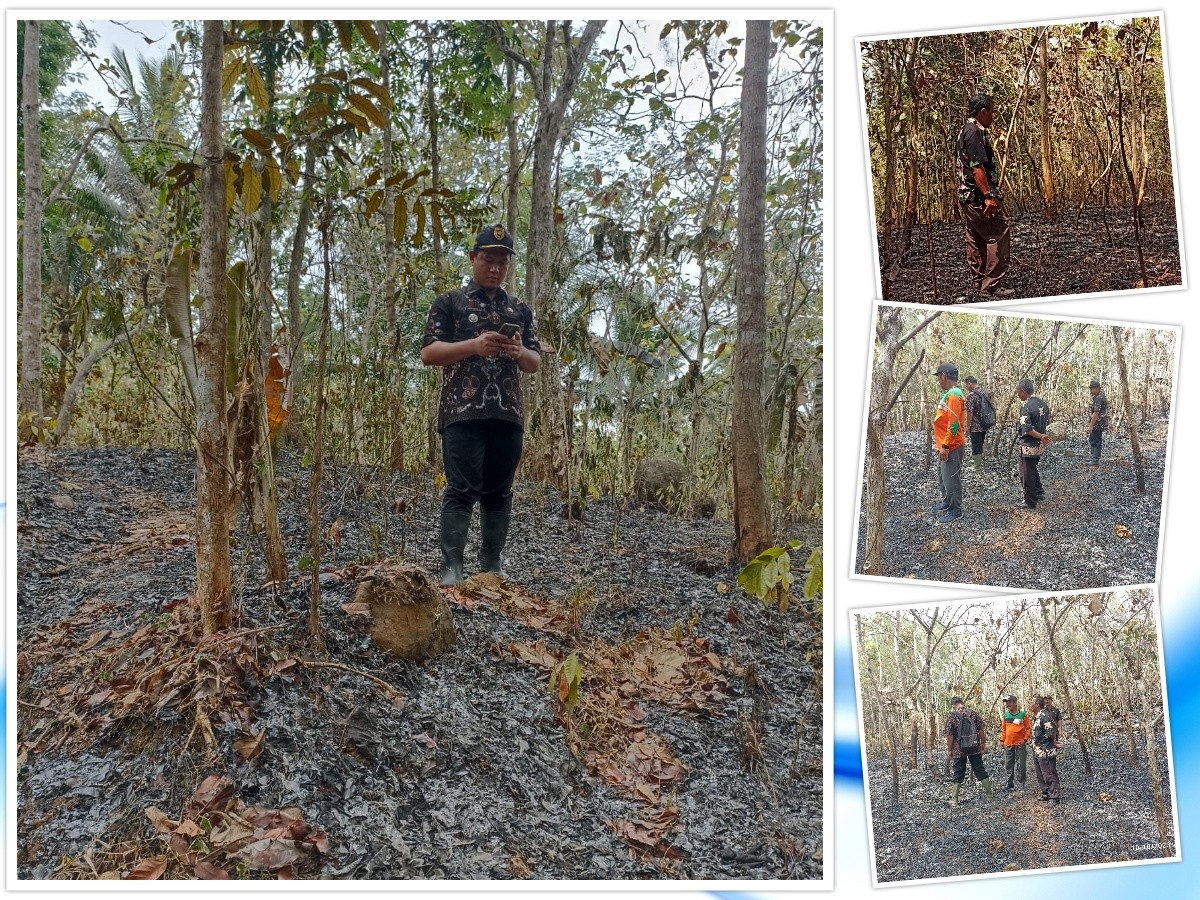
(29, 399)
(514, 166)
(295, 343)
(1139, 461)
(1149, 721)
(435, 177)
(318, 451)
(1047, 171)
(751, 505)
(1068, 703)
(66, 408)
(548, 422)
(213, 485)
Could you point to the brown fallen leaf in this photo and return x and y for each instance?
(214, 792)
(1106, 798)
(249, 747)
(357, 609)
(162, 824)
(149, 869)
(1123, 532)
(272, 854)
(94, 640)
(208, 871)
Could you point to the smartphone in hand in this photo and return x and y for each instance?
(508, 329)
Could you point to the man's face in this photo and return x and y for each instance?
(944, 381)
(489, 267)
(1012, 705)
(1094, 390)
(1049, 703)
(984, 117)
(970, 386)
(1024, 395)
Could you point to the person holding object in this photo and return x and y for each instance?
(1035, 419)
(965, 742)
(948, 436)
(979, 193)
(483, 339)
(1097, 422)
(1045, 751)
(1014, 732)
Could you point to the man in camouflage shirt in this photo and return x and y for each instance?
(975, 427)
(1097, 422)
(1045, 751)
(959, 755)
(979, 193)
(484, 339)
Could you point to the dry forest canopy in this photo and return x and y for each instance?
(1095, 654)
(1083, 150)
(359, 160)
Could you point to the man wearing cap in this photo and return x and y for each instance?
(965, 742)
(1035, 419)
(978, 192)
(484, 339)
(1045, 751)
(949, 437)
(1014, 732)
(1097, 422)
(978, 401)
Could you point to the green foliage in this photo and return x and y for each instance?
(565, 678)
(769, 575)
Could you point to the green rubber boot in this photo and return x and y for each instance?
(954, 789)
(987, 788)
(493, 534)
(454, 527)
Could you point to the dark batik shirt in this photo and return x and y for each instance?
(1045, 731)
(951, 729)
(975, 408)
(1100, 408)
(479, 387)
(974, 149)
(1035, 416)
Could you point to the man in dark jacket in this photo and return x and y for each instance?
(965, 742)
(979, 402)
(1045, 751)
(484, 339)
(1035, 419)
(979, 193)
(1097, 422)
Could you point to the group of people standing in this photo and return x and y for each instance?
(973, 413)
(966, 743)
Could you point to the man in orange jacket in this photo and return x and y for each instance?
(1014, 732)
(949, 435)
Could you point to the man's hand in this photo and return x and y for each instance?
(512, 346)
(1045, 439)
(490, 343)
(991, 208)
(943, 454)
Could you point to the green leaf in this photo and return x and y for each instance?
(84, 244)
(306, 461)
(813, 584)
(305, 563)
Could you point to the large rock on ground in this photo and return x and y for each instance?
(410, 617)
(661, 481)
(1057, 431)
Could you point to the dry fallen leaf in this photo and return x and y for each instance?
(1122, 531)
(250, 747)
(149, 869)
(208, 871)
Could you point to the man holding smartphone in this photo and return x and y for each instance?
(484, 339)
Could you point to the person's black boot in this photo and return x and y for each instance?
(493, 533)
(454, 527)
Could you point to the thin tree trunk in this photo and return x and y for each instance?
(1047, 170)
(435, 178)
(1149, 721)
(1068, 703)
(514, 166)
(66, 409)
(213, 485)
(29, 399)
(751, 505)
(295, 360)
(1139, 461)
(318, 450)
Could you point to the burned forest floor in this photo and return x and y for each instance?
(1048, 259)
(692, 748)
(1106, 817)
(1093, 530)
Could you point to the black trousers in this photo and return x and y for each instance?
(1096, 443)
(1047, 774)
(959, 767)
(1031, 481)
(480, 457)
(977, 442)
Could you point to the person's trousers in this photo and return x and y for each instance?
(480, 457)
(977, 438)
(1031, 481)
(987, 246)
(1047, 775)
(959, 767)
(950, 477)
(1096, 443)
(1014, 763)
